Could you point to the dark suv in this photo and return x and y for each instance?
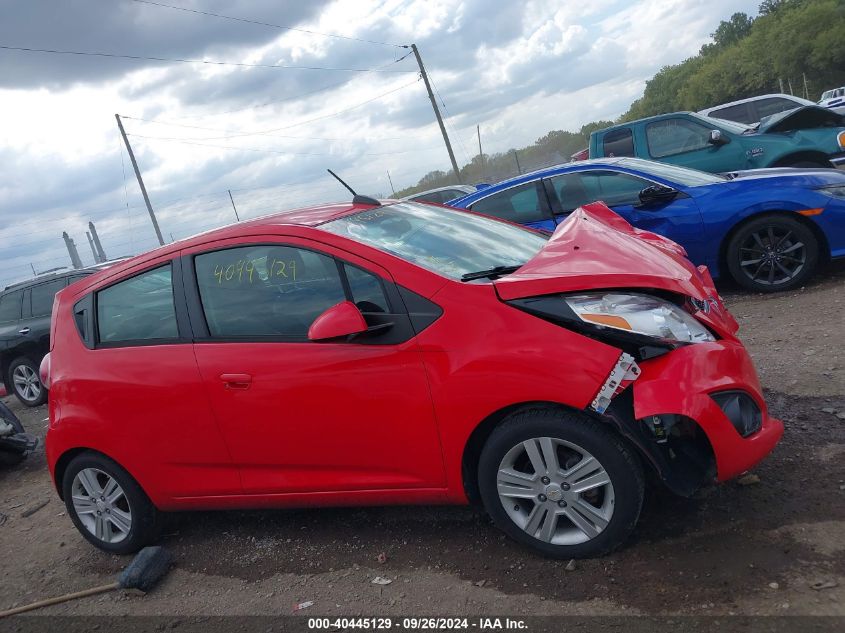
(25, 331)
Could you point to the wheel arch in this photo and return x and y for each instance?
(483, 430)
(65, 458)
(813, 156)
(824, 246)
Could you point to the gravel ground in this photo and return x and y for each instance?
(774, 547)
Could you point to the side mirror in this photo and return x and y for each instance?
(343, 319)
(657, 194)
(716, 138)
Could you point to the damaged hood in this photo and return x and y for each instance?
(594, 248)
(803, 118)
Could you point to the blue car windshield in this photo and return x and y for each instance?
(680, 175)
(448, 242)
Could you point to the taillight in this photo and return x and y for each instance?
(44, 371)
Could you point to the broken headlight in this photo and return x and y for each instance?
(641, 314)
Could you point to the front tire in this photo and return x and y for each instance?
(772, 253)
(107, 505)
(26, 383)
(560, 483)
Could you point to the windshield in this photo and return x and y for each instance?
(680, 175)
(447, 242)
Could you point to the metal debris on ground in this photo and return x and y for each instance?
(749, 479)
(824, 584)
(381, 580)
(303, 605)
(571, 566)
(32, 510)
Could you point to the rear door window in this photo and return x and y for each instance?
(741, 113)
(42, 296)
(10, 306)
(619, 143)
(138, 309)
(521, 204)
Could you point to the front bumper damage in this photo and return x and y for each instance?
(690, 437)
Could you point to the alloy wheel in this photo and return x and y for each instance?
(772, 256)
(101, 505)
(27, 384)
(555, 491)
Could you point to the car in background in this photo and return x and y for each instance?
(754, 109)
(805, 137)
(441, 195)
(25, 331)
(833, 99)
(769, 230)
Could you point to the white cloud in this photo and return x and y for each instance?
(517, 69)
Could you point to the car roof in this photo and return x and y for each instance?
(774, 95)
(49, 275)
(465, 188)
(307, 217)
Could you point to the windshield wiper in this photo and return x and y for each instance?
(491, 273)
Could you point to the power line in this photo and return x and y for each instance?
(198, 61)
(319, 118)
(275, 26)
(271, 151)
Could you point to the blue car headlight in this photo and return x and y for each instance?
(834, 191)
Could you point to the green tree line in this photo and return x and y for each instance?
(788, 42)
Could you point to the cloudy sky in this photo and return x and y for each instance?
(298, 102)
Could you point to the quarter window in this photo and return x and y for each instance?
(10, 306)
(137, 309)
(42, 297)
(367, 291)
(676, 136)
(521, 204)
(266, 290)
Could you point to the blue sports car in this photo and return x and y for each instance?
(768, 229)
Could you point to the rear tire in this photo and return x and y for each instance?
(107, 505)
(560, 483)
(26, 382)
(772, 253)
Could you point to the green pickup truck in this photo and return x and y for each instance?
(804, 137)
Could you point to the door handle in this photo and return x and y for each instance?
(24, 331)
(236, 381)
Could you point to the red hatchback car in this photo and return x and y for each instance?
(403, 353)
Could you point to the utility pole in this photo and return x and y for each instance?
(516, 158)
(390, 180)
(437, 114)
(806, 90)
(100, 252)
(789, 82)
(780, 83)
(140, 180)
(71, 250)
(93, 250)
(480, 153)
(233, 205)
(34, 274)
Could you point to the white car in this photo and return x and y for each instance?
(834, 99)
(442, 195)
(752, 110)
